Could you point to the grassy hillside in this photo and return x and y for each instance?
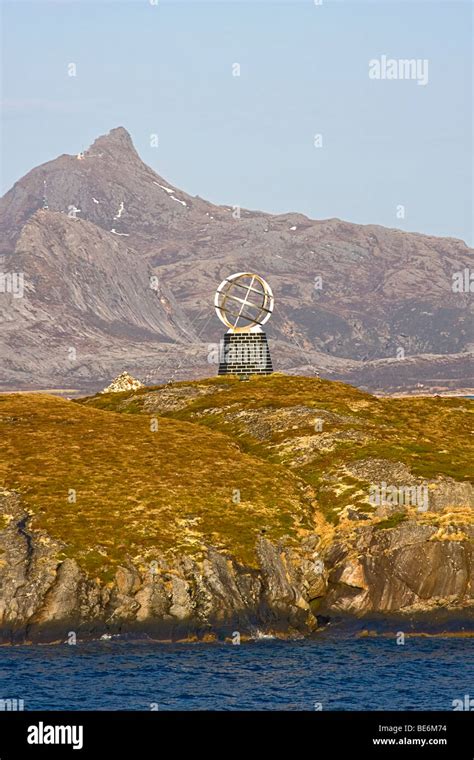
(319, 428)
(138, 490)
(219, 461)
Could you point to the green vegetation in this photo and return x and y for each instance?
(392, 521)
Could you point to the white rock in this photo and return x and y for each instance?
(123, 382)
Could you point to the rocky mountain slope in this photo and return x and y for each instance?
(202, 508)
(123, 265)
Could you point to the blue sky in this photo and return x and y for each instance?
(166, 69)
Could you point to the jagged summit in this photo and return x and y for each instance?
(115, 141)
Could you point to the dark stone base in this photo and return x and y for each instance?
(245, 354)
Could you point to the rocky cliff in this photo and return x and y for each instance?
(207, 508)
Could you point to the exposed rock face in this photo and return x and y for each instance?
(44, 598)
(123, 382)
(446, 492)
(86, 295)
(113, 224)
(403, 569)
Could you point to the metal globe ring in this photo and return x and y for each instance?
(244, 302)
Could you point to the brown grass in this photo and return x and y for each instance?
(140, 492)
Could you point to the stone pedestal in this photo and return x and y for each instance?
(245, 353)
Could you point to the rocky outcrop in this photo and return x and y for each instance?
(123, 382)
(446, 492)
(409, 568)
(43, 598)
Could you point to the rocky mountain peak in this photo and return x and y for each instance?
(117, 141)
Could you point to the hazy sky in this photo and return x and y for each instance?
(167, 69)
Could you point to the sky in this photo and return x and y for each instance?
(266, 105)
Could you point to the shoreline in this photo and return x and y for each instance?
(442, 624)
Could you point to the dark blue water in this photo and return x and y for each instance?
(342, 673)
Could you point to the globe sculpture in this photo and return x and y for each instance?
(244, 302)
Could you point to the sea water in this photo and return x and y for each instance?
(327, 672)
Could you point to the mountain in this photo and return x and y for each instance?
(202, 508)
(121, 266)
